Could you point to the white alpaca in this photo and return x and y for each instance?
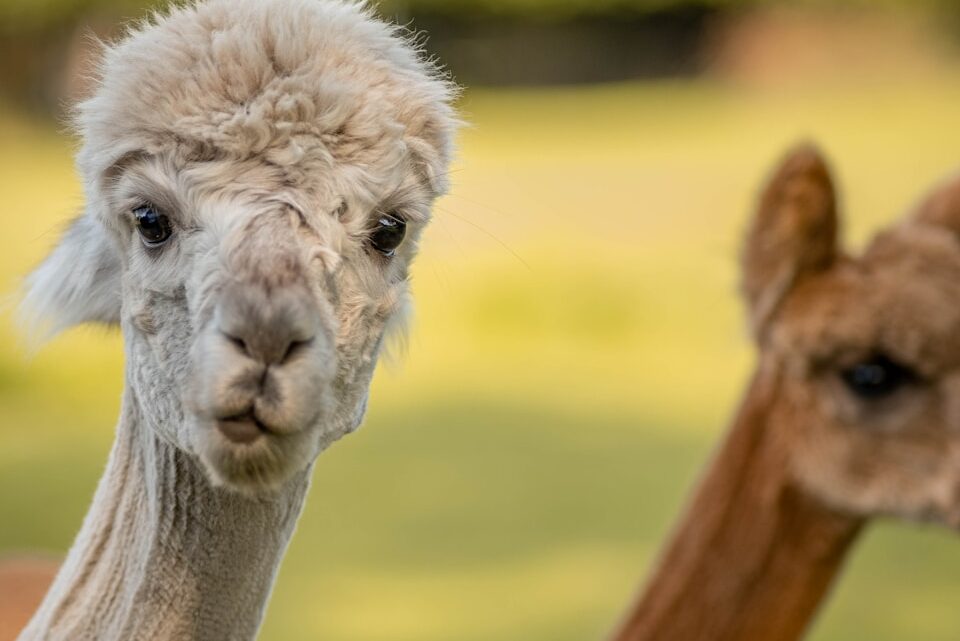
(257, 173)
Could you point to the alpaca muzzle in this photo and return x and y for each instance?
(265, 363)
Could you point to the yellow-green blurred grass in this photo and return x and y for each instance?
(576, 350)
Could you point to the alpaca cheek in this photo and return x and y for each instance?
(159, 409)
(158, 336)
(360, 412)
(142, 319)
(357, 368)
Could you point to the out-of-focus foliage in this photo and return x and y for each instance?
(36, 15)
(566, 8)
(20, 16)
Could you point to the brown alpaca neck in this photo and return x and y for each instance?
(754, 556)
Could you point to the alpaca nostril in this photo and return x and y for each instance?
(293, 349)
(237, 342)
(274, 350)
(270, 327)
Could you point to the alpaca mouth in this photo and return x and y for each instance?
(242, 429)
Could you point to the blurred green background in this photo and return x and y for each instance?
(578, 345)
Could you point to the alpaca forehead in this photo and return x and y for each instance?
(902, 303)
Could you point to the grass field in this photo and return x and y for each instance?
(577, 349)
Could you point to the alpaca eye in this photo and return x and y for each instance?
(153, 227)
(388, 234)
(877, 377)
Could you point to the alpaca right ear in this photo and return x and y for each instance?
(78, 282)
(793, 234)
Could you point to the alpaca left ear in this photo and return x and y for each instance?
(794, 233)
(78, 282)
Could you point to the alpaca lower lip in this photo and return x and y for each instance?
(241, 429)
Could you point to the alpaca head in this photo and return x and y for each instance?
(257, 174)
(866, 349)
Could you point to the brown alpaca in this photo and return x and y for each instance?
(853, 413)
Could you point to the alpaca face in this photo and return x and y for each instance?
(261, 307)
(253, 235)
(867, 349)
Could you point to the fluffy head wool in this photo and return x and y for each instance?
(300, 83)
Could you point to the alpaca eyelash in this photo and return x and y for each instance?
(395, 213)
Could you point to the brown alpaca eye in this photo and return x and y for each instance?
(388, 234)
(877, 377)
(153, 227)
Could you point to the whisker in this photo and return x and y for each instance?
(493, 210)
(489, 235)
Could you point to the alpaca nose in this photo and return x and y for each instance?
(269, 326)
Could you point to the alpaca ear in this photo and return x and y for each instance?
(941, 207)
(429, 138)
(78, 282)
(793, 234)
(431, 151)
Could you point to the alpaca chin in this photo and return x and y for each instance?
(258, 468)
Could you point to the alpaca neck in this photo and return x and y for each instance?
(754, 555)
(163, 554)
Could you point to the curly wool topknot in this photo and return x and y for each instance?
(295, 82)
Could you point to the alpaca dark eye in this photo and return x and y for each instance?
(153, 227)
(877, 377)
(388, 234)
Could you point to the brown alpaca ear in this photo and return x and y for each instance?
(793, 234)
(941, 207)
